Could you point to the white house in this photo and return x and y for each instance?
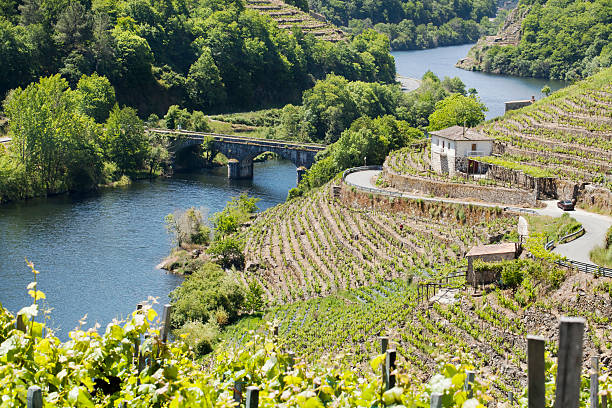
(451, 146)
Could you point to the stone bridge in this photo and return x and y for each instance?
(242, 150)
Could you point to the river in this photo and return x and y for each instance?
(97, 253)
(493, 90)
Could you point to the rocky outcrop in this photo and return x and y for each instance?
(509, 34)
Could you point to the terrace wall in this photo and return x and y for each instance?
(450, 212)
(489, 194)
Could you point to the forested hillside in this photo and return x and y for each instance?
(205, 55)
(413, 24)
(557, 39)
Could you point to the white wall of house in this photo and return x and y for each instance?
(445, 151)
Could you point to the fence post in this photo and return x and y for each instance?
(275, 330)
(536, 387)
(571, 331)
(389, 368)
(166, 322)
(595, 382)
(34, 398)
(238, 386)
(20, 324)
(469, 380)
(252, 397)
(384, 344)
(604, 400)
(436, 400)
(511, 397)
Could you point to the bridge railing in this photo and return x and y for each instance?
(243, 139)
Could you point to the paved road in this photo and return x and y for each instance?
(595, 225)
(595, 228)
(408, 84)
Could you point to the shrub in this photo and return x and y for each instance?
(203, 294)
(200, 337)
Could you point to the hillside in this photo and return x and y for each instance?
(288, 17)
(213, 56)
(567, 134)
(488, 330)
(565, 40)
(316, 245)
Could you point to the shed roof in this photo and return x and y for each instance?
(458, 133)
(495, 249)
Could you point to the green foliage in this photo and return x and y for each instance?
(553, 229)
(412, 25)
(236, 212)
(211, 56)
(124, 140)
(255, 297)
(366, 141)
(457, 109)
(188, 227)
(513, 273)
(559, 40)
(208, 295)
(56, 146)
(603, 255)
(95, 97)
(229, 251)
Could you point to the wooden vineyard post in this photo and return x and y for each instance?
(252, 397)
(536, 387)
(166, 323)
(604, 401)
(436, 400)
(384, 345)
(137, 343)
(389, 368)
(34, 398)
(511, 397)
(238, 388)
(275, 331)
(291, 356)
(469, 380)
(595, 382)
(20, 324)
(571, 331)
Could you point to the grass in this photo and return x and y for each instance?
(602, 256)
(553, 228)
(525, 168)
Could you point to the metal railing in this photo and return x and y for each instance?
(581, 266)
(572, 235)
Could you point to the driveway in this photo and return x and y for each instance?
(595, 225)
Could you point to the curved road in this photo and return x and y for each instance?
(595, 225)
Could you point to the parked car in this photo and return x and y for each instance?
(566, 205)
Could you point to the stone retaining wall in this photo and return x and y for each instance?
(449, 212)
(490, 194)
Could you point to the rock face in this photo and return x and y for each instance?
(509, 34)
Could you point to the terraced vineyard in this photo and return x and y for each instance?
(488, 331)
(314, 245)
(288, 16)
(568, 133)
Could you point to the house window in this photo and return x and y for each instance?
(473, 147)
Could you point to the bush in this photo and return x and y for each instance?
(229, 252)
(188, 227)
(210, 294)
(200, 337)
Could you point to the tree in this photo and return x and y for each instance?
(57, 145)
(205, 86)
(457, 110)
(73, 27)
(199, 122)
(159, 155)
(96, 96)
(125, 142)
(546, 90)
(177, 118)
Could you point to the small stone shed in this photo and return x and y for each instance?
(450, 148)
(489, 253)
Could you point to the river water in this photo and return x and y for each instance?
(493, 90)
(97, 253)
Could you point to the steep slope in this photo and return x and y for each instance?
(288, 17)
(316, 245)
(566, 40)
